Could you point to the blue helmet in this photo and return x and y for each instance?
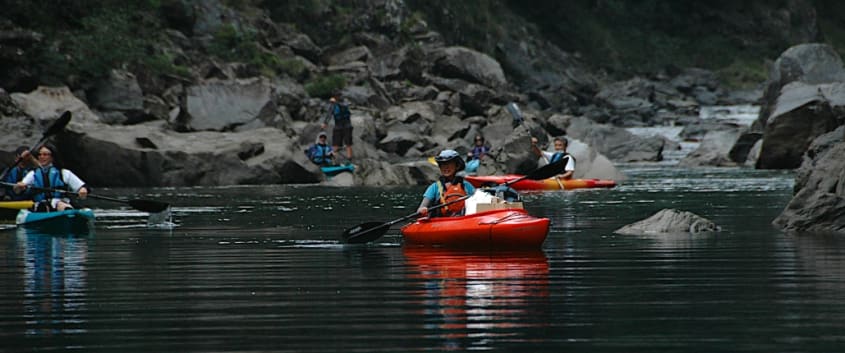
(450, 155)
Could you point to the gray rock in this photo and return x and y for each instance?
(802, 113)
(119, 91)
(714, 149)
(818, 204)
(467, 64)
(811, 63)
(616, 143)
(222, 105)
(670, 221)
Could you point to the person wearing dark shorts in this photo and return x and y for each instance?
(342, 132)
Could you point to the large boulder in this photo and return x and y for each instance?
(818, 204)
(618, 144)
(811, 63)
(470, 65)
(802, 113)
(714, 149)
(229, 104)
(670, 221)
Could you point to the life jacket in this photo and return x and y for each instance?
(558, 156)
(52, 180)
(319, 154)
(454, 191)
(15, 175)
(342, 115)
(478, 151)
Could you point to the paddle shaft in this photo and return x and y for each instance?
(143, 205)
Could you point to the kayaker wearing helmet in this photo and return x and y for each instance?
(449, 188)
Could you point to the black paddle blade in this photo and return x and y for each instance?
(547, 171)
(365, 232)
(58, 125)
(148, 205)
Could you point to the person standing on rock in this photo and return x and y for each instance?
(50, 177)
(342, 132)
(557, 155)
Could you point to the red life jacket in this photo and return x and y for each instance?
(453, 192)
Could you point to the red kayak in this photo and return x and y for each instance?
(545, 184)
(494, 229)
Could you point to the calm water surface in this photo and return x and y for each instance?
(261, 269)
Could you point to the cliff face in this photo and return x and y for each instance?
(539, 43)
(246, 82)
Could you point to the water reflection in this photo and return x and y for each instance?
(473, 299)
(54, 282)
(823, 255)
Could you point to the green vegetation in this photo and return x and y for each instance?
(232, 44)
(829, 13)
(324, 86)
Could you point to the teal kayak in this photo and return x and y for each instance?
(333, 170)
(59, 222)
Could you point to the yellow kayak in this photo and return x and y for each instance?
(9, 209)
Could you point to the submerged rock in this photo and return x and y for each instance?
(670, 221)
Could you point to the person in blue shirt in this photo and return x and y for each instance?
(320, 153)
(26, 162)
(450, 187)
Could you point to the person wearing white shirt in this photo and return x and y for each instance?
(50, 177)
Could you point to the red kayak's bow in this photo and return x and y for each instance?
(494, 229)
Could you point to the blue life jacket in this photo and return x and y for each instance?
(558, 156)
(342, 115)
(53, 181)
(319, 154)
(15, 175)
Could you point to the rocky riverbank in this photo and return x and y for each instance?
(244, 95)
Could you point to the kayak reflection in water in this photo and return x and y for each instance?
(449, 187)
(50, 177)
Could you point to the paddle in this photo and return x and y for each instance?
(55, 128)
(369, 231)
(140, 205)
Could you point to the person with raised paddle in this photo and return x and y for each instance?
(558, 155)
(448, 188)
(26, 162)
(49, 176)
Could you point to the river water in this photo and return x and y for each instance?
(261, 268)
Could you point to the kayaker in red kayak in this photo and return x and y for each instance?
(449, 187)
(48, 176)
(558, 154)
